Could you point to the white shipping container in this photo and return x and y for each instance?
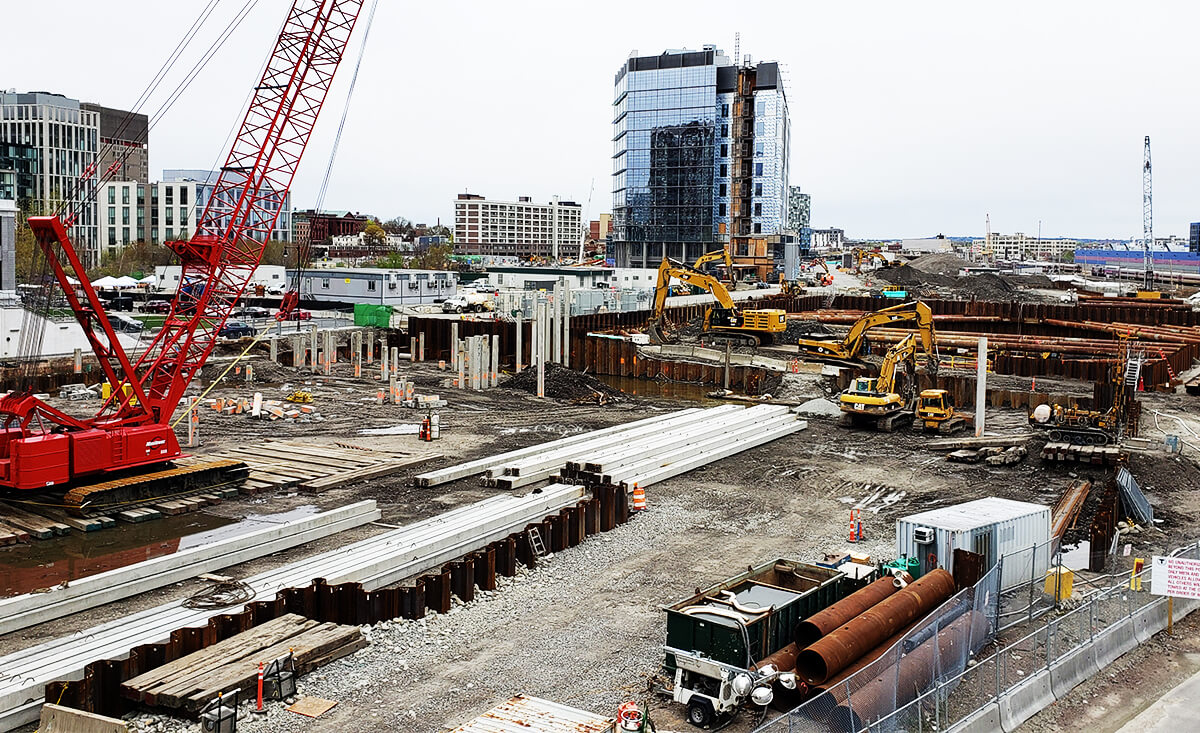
(992, 527)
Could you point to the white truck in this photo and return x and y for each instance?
(468, 301)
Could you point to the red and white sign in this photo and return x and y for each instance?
(1175, 576)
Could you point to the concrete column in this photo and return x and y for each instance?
(332, 336)
(542, 350)
(249, 373)
(454, 345)
(77, 364)
(370, 345)
(393, 391)
(330, 351)
(297, 351)
(566, 325)
(552, 342)
(981, 387)
(495, 371)
(535, 340)
(460, 357)
(316, 346)
(421, 346)
(395, 363)
(356, 341)
(383, 360)
(256, 405)
(520, 336)
(477, 367)
(275, 349)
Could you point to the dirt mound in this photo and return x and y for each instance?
(939, 264)
(1033, 281)
(909, 276)
(803, 329)
(986, 286)
(564, 384)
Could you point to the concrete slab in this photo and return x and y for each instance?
(1174, 711)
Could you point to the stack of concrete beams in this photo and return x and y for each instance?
(647, 451)
(19, 612)
(375, 562)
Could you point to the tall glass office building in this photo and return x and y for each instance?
(699, 157)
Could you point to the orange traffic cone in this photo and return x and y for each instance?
(855, 525)
(639, 498)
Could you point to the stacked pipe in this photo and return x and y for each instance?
(844, 638)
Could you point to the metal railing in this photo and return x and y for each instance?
(988, 659)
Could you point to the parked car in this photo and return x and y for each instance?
(156, 306)
(125, 324)
(236, 330)
(297, 315)
(253, 311)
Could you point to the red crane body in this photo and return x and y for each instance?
(41, 446)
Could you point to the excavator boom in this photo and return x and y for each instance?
(755, 325)
(849, 348)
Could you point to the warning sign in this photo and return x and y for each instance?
(1175, 576)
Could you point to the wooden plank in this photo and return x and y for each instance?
(20, 534)
(375, 471)
(35, 519)
(34, 529)
(314, 458)
(149, 685)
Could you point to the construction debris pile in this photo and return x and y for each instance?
(564, 383)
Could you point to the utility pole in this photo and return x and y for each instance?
(1147, 222)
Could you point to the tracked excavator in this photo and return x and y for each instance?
(129, 445)
(721, 321)
(867, 255)
(827, 278)
(884, 402)
(846, 350)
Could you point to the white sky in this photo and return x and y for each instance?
(908, 119)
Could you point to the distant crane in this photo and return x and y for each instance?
(1147, 222)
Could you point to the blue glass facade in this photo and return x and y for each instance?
(683, 169)
(663, 150)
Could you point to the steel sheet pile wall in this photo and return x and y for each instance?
(347, 585)
(620, 358)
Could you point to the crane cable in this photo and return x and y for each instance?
(324, 187)
(302, 257)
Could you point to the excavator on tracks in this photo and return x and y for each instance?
(846, 350)
(126, 451)
(884, 402)
(723, 321)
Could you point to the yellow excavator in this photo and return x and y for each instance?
(883, 402)
(846, 350)
(717, 255)
(861, 255)
(724, 320)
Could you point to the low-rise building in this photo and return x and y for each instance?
(1022, 246)
(379, 286)
(545, 278)
(828, 239)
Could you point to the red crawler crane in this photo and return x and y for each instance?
(41, 446)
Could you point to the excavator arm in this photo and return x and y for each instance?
(851, 345)
(717, 255)
(671, 269)
(902, 352)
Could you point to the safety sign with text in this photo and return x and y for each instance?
(1175, 576)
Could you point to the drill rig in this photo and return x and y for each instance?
(41, 446)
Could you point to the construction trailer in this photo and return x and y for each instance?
(716, 637)
(991, 527)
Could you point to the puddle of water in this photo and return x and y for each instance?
(46, 563)
(653, 388)
(1077, 557)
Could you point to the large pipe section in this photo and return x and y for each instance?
(841, 648)
(839, 614)
(899, 684)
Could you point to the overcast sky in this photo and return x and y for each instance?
(908, 119)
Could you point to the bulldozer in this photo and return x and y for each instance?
(936, 413)
(722, 321)
(884, 402)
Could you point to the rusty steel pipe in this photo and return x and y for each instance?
(845, 645)
(839, 614)
(833, 684)
(900, 683)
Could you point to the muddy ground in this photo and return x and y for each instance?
(585, 628)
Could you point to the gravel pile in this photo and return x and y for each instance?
(819, 407)
(563, 384)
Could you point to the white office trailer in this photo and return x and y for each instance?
(992, 527)
(378, 285)
(578, 278)
(272, 278)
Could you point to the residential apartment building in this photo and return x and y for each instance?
(278, 206)
(66, 139)
(799, 210)
(124, 143)
(1193, 236)
(700, 158)
(164, 211)
(518, 228)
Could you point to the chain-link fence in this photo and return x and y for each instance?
(995, 653)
